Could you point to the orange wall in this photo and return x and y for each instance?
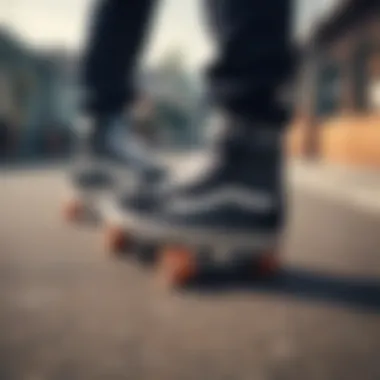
(348, 140)
(353, 140)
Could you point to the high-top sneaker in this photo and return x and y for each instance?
(110, 156)
(231, 208)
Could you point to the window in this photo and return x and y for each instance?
(374, 81)
(328, 89)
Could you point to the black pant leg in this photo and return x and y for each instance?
(114, 43)
(253, 57)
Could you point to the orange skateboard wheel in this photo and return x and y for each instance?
(269, 264)
(116, 240)
(176, 266)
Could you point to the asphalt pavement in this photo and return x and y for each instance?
(69, 311)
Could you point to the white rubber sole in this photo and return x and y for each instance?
(221, 241)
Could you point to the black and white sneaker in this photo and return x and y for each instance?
(110, 156)
(231, 208)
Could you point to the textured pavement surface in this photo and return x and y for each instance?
(69, 311)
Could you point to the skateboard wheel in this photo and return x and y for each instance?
(73, 210)
(116, 240)
(176, 266)
(269, 265)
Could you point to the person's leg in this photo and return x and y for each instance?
(117, 34)
(115, 40)
(233, 206)
(253, 58)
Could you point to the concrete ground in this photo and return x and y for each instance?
(69, 311)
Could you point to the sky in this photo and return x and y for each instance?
(177, 25)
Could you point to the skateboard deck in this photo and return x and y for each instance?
(179, 255)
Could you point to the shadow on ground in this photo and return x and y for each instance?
(302, 284)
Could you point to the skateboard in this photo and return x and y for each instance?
(178, 257)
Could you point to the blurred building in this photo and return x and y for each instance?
(338, 108)
(176, 98)
(35, 102)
